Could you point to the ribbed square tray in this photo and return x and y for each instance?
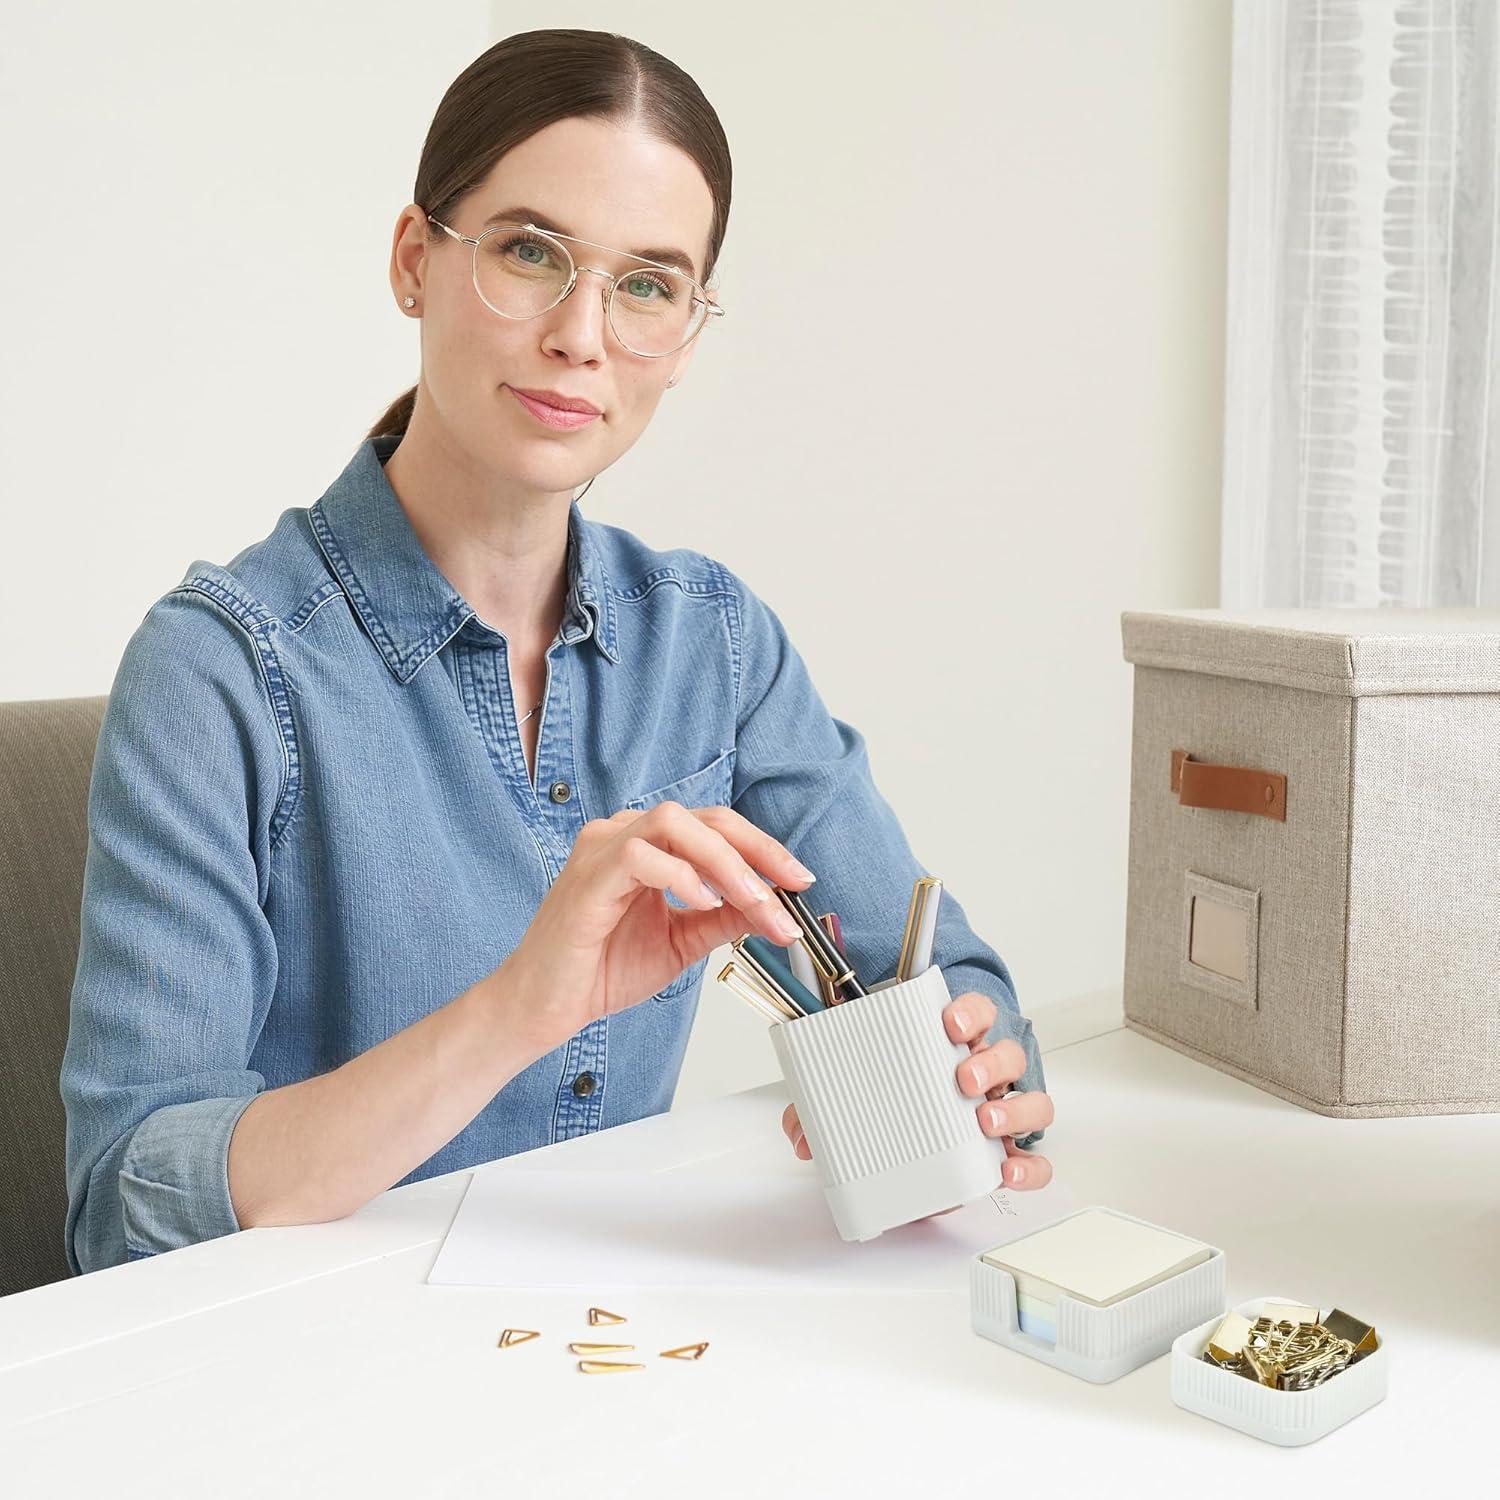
(1289, 1418)
(1100, 1343)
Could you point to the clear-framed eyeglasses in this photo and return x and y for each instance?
(521, 271)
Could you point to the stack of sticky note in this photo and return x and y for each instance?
(1094, 1256)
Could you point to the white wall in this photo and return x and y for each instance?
(1075, 155)
(200, 330)
(198, 323)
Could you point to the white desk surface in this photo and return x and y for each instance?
(316, 1361)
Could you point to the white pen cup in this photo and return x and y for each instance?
(892, 1136)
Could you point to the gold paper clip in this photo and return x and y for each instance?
(516, 1336)
(687, 1351)
(599, 1348)
(605, 1366)
(597, 1315)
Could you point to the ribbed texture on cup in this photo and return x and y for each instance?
(878, 1072)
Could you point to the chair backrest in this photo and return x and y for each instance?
(46, 758)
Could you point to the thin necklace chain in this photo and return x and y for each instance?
(524, 717)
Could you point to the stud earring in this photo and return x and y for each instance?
(409, 302)
(671, 382)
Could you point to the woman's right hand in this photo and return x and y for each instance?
(604, 937)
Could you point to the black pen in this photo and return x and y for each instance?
(830, 963)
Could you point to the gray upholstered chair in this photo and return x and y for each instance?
(46, 756)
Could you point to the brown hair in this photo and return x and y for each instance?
(529, 81)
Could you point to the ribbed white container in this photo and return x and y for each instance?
(1099, 1343)
(1289, 1418)
(892, 1135)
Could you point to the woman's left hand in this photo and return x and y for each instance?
(987, 1073)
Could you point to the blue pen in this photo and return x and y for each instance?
(764, 954)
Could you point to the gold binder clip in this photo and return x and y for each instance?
(1361, 1335)
(599, 1348)
(1291, 1312)
(687, 1351)
(516, 1336)
(605, 1366)
(1227, 1342)
(597, 1315)
(1328, 1357)
(1259, 1367)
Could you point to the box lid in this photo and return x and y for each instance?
(1349, 652)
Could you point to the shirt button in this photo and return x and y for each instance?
(583, 1084)
(560, 791)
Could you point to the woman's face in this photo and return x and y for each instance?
(608, 183)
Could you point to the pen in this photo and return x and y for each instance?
(740, 982)
(921, 927)
(832, 964)
(764, 958)
(761, 979)
(835, 929)
(801, 964)
(829, 922)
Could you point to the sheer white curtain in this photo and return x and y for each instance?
(1362, 403)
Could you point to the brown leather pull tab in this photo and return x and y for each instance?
(1200, 783)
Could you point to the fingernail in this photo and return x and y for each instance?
(961, 1019)
(711, 894)
(996, 1117)
(1019, 1176)
(803, 871)
(757, 887)
(787, 927)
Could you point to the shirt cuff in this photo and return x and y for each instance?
(174, 1176)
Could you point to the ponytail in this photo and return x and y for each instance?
(396, 417)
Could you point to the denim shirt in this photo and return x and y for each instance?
(311, 823)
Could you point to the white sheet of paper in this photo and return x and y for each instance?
(692, 1227)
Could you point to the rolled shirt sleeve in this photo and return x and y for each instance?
(177, 962)
(804, 776)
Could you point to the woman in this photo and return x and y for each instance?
(385, 813)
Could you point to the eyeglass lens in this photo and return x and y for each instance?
(521, 273)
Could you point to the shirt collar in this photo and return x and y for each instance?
(404, 601)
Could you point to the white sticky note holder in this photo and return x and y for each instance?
(1100, 1343)
(892, 1135)
(1289, 1418)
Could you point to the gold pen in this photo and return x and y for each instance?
(748, 988)
(921, 926)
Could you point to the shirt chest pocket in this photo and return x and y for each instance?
(708, 787)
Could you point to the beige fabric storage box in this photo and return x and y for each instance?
(1314, 884)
